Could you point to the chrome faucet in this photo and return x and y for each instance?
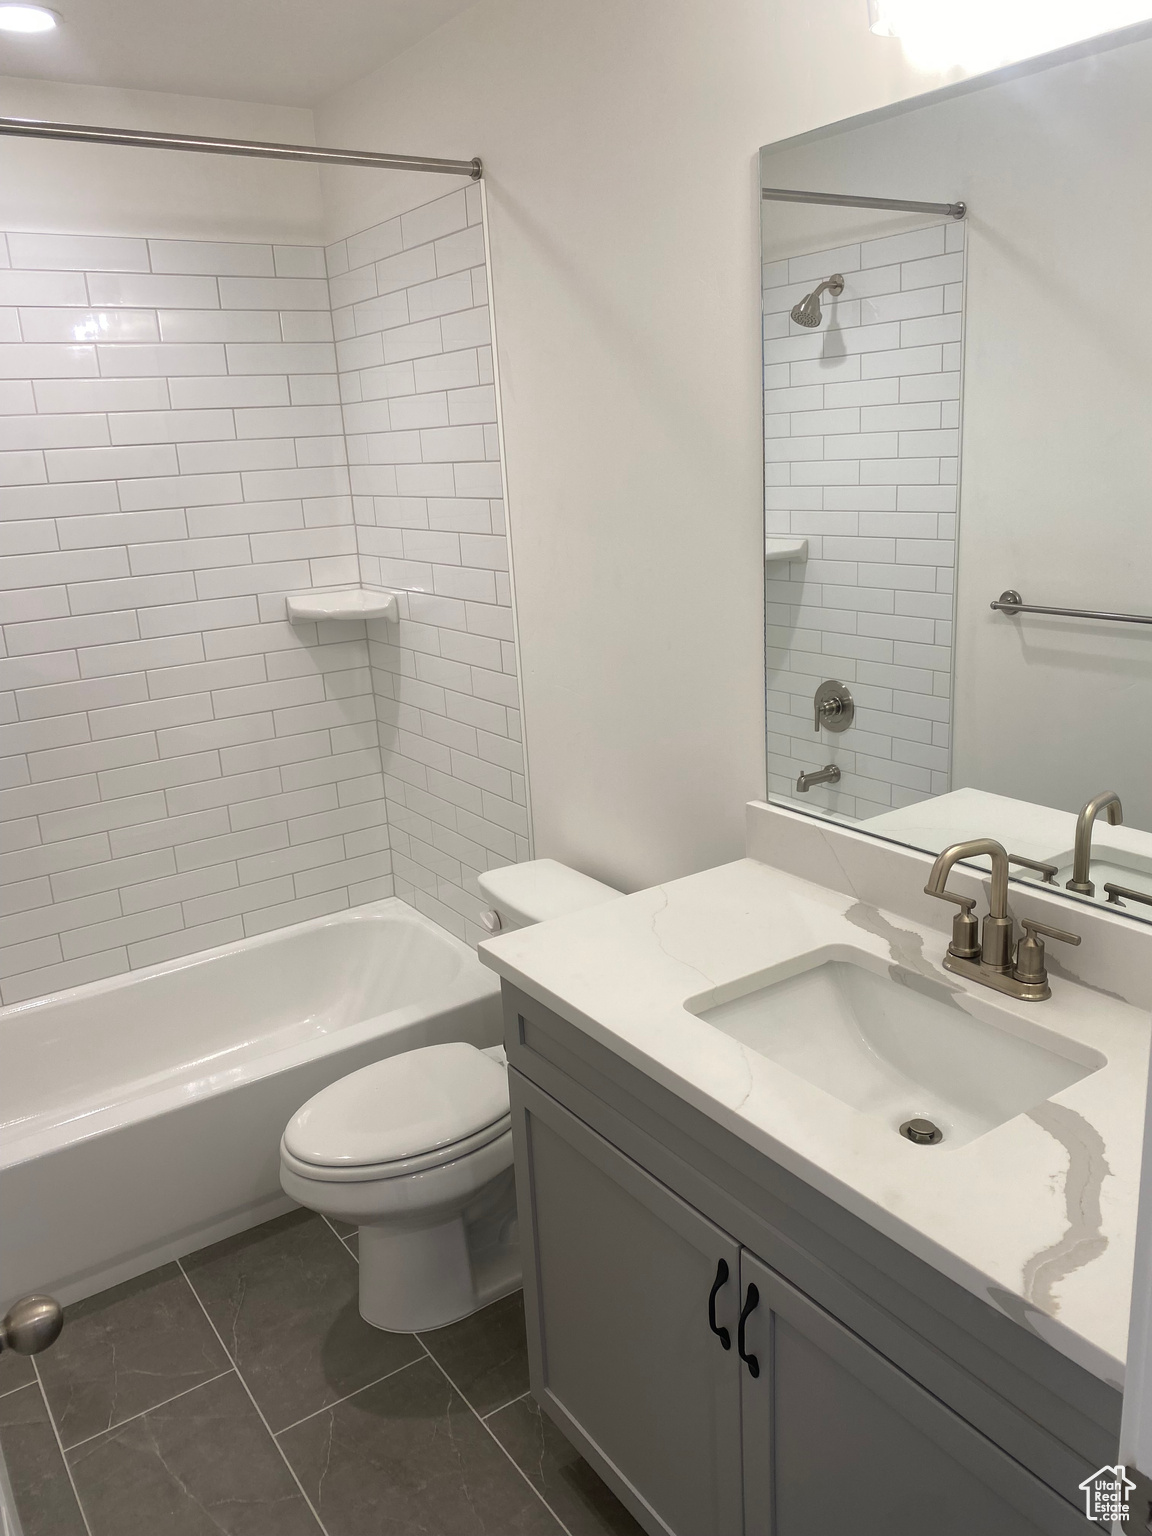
(992, 957)
(1082, 858)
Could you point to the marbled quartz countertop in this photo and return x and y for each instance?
(1036, 1216)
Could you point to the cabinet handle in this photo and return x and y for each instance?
(721, 1279)
(751, 1302)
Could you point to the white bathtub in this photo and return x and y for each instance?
(140, 1117)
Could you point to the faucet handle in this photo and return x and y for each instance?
(1048, 872)
(1032, 928)
(1030, 965)
(965, 943)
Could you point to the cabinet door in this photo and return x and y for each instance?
(838, 1440)
(618, 1275)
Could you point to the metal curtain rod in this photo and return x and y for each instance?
(32, 128)
(1011, 602)
(835, 200)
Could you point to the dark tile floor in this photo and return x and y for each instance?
(239, 1393)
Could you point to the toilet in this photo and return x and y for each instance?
(416, 1149)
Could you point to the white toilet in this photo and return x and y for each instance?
(417, 1149)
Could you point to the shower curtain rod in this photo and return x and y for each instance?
(834, 199)
(33, 128)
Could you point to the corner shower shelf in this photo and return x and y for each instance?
(358, 603)
(785, 547)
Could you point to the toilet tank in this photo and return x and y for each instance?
(522, 894)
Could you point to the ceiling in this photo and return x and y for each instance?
(285, 52)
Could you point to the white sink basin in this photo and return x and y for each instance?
(893, 1045)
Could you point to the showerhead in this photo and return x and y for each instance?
(807, 312)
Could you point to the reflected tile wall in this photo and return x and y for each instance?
(861, 445)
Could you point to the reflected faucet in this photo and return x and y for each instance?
(993, 960)
(1082, 858)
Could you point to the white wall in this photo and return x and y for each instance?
(104, 189)
(620, 149)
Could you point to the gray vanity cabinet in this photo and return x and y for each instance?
(838, 1441)
(641, 1244)
(618, 1319)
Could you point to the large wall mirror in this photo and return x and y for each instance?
(958, 469)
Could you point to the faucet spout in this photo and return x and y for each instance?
(998, 900)
(1108, 801)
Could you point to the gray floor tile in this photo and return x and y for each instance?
(15, 1371)
(560, 1474)
(44, 1498)
(284, 1299)
(203, 1465)
(486, 1354)
(407, 1458)
(126, 1350)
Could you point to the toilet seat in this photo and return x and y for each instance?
(362, 1173)
(399, 1116)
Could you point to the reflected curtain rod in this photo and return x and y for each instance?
(33, 128)
(835, 199)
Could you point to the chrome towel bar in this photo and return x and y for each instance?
(1011, 602)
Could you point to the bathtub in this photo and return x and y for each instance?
(140, 1117)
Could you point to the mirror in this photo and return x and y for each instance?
(957, 406)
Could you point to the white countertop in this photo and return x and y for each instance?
(1036, 1216)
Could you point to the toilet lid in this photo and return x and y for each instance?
(401, 1107)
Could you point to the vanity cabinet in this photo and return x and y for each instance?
(623, 1269)
(715, 1393)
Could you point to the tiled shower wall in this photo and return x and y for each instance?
(414, 344)
(861, 442)
(180, 767)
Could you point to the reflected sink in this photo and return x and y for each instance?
(894, 1045)
(1110, 866)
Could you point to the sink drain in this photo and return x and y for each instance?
(922, 1132)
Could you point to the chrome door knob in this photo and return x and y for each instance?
(31, 1324)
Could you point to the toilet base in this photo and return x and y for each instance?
(415, 1281)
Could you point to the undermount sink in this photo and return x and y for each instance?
(895, 1045)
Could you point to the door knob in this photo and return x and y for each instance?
(30, 1325)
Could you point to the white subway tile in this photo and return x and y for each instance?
(88, 325)
(46, 361)
(42, 288)
(212, 257)
(151, 291)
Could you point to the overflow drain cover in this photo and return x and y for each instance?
(922, 1132)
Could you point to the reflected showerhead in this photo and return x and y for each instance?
(807, 312)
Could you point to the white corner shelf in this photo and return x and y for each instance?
(358, 603)
(785, 547)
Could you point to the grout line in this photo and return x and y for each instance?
(60, 1447)
(348, 1396)
(131, 1419)
(495, 1440)
(252, 1400)
(492, 1412)
(339, 1238)
(9, 1391)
